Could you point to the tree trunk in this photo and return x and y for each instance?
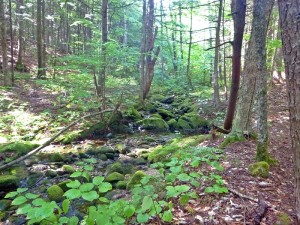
(255, 55)
(188, 72)
(20, 11)
(148, 57)
(261, 16)
(40, 42)
(238, 8)
(6, 80)
(216, 60)
(289, 11)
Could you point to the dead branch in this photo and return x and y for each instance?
(226, 42)
(243, 195)
(5, 166)
(262, 209)
(219, 129)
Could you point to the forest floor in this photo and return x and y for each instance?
(277, 191)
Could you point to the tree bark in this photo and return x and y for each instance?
(20, 11)
(238, 8)
(188, 72)
(261, 17)
(289, 11)
(216, 60)
(6, 80)
(40, 42)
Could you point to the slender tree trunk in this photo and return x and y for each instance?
(289, 11)
(224, 53)
(238, 8)
(104, 29)
(181, 38)
(40, 43)
(216, 60)
(6, 80)
(19, 65)
(11, 44)
(188, 72)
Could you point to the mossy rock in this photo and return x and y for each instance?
(283, 219)
(166, 114)
(105, 150)
(122, 184)
(51, 173)
(98, 128)
(55, 193)
(156, 115)
(63, 185)
(20, 171)
(8, 181)
(33, 177)
(148, 106)
(68, 169)
(3, 215)
(157, 97)
(132, 113)
(102, 157)
(56, 157)
(172, 123)
(260, 169)
(192, 121)
(119, 168)
(230, 139)
(154, 124)
(19, 148)
(164, 153)
(115, 176)
(135, 179)
(4, 204)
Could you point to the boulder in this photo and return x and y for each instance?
(8, 181)
(154, 124)
(55, 193)
(135, 179)
(115, 176)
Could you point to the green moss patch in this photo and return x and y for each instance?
(162, 153)
(19, 148)
(153, 123)
(55, 193)
(135, 179)
(232, 139)
(192, 121)
(260, 169)
(8, 181)
(115, 176)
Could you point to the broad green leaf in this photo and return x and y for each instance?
(118, 220)
(11, 194)
(183, 177)
(209, 190)
(184, 199)
(104, 200)
(105, 187)
(38, 202)
(182, 188)
(171, 177)
(73, 184)
(176, 169)
(147, 203)
(76, 174)
(171, 192)
(73, 220)
(91, 160)
(86, 187)
(19, 200)
(98, 180)
(167, 216)
(31, 196)
(21, 190)
(72, 193)
(195, 183)
(90, 196)
(66, 205)
(88, 168)
(217, 166)
(195, 163)
(142, 218)
(194, 174)
(129, 211)
(63, 220)
(86, 176)
(24, 209)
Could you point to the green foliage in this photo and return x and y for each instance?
(19, 148)
(154, 123)
(115, 176)
(283, 219)
(259, 169)
(8, 181)
(135, 179)
(232, 139)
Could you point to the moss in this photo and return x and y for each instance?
(51, 173)
(20, 148)
(232, 139)
(260, 169)
(8, 181)
(68, 169)
(20, 171)
(162, 153)
(114, 167)
(102, 157)
(122, 184)
(56, 157)
(135, 179)
(156, 115)
(55, 193)
(165, 113)
(115, 176)
(70, 137)
(172, 123)
(132, 113)
(154, 124)
(283, 219)
(4, 204)
(63, 185)
(3, 215)
(262, 153)
(192, 121)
